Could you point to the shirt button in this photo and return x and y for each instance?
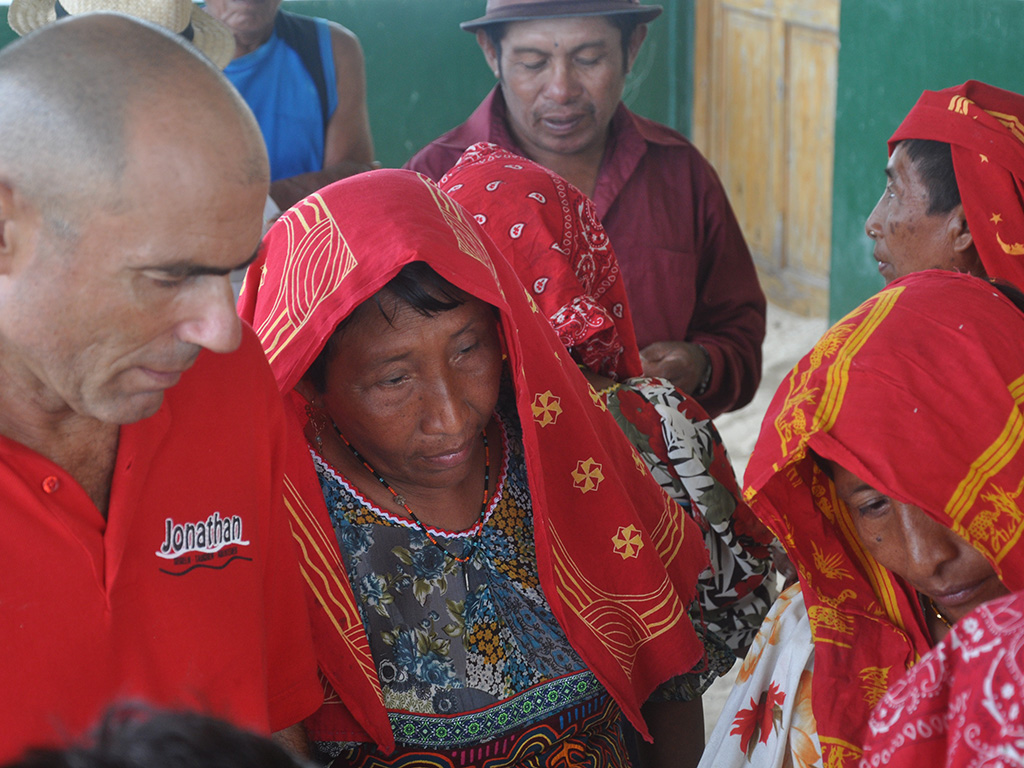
(51, 484)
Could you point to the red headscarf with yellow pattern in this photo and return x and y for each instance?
(983, 125)
(618, 559)
(919, 392)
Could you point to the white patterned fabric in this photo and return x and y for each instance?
(767, 721)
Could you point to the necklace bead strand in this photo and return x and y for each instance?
(400, 500)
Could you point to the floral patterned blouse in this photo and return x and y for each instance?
(465, 653)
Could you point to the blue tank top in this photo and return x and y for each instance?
(280, 91)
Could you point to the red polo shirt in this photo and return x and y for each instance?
(187, 595)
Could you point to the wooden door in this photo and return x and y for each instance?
(764, 115)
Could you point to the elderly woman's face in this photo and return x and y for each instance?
(413, 395)
(929, 556)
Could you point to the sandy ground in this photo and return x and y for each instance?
(789, 337)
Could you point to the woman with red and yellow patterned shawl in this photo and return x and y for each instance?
(889, 465)
(523, 635)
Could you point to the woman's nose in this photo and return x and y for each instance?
(445, 411)
(930, 546)
(873, 225)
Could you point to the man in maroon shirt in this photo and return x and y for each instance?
(561, 67)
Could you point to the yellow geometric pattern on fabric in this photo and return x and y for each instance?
(638, 462)
(882, 581)
(587, 476)
(320, 564)
(317, 261)
(830, 566)
(532, 302)
(598, 399)
(669, 532)
(844, 339)
(624, 622)
(461, 226)
(960, 105)
(837, 753)
(627, 542)
(829, 619)
(1015, 249)
(1005, 508)
(1012, 123)
(546, 408)
(838, 377)
(999, 525)
(875, 682)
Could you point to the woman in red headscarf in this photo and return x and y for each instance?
(500, 577)
(889, 465)
(551, 234)
(954, 193)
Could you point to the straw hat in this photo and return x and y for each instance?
(527, 10)
(183, 17)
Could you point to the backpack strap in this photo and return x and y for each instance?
(300, 34)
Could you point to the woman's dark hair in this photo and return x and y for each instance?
(934, 163)
(417, 285)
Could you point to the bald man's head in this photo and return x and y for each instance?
(132, 183)
(80, 94)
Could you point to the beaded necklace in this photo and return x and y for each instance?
(472, 542)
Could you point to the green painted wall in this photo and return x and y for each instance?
(889, 52)
(6, 33)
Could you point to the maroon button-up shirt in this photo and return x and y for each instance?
(686, 267)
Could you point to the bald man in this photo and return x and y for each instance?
(146, 465)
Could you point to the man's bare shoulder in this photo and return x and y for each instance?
(344, 40)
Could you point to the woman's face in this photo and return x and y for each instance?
(413, 395)
(930, 557)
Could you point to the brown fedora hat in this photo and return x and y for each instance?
(526, 10)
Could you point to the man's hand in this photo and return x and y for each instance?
(682, 363)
